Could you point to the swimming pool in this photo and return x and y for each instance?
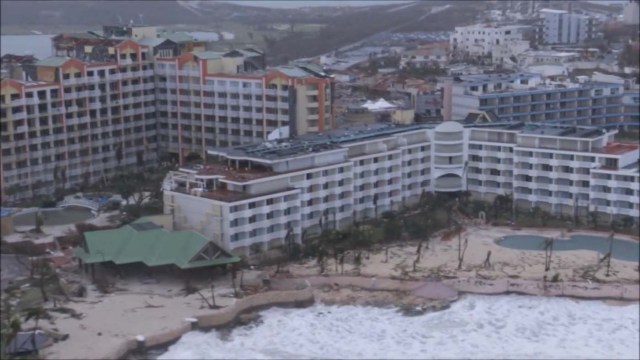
(622, 249)
(68, 215)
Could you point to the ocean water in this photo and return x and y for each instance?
(36, 45)
(475, 327)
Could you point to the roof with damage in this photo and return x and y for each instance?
(146, 242)
(52, 61)
(177, 37)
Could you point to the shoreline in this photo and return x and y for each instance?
(395, 293)
(382, 280)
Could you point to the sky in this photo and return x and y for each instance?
(305, 3)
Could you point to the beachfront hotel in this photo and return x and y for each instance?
(528, 97)
(256, 194)
(75, 121)
(106, 100)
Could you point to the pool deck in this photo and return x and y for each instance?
(440, 261)
(51, 232)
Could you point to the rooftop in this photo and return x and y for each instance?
(53, 61)
(618, 148)
(311, 143)
(564, 131)
(229, 172)
(488, 78)
(146, 242)
(553, 11)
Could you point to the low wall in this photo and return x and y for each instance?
(218, 318)
(629, 292)
(433, 290)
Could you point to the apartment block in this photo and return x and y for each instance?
(563, 27)
(209, 99)
(500, 43)
(256, 194)
(108, 101)
(76, 122)
(527, 97)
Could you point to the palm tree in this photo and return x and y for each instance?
(11, 326)
(36, 313)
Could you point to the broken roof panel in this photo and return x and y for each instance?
(52, 61)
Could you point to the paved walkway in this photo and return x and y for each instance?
(432, 290)
(448, 289)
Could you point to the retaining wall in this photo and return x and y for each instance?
(217, 318)
(630, 292)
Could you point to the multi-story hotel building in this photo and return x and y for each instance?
(527, 97)
(254, 194)
(208, 99)
(73, 121)
(78, 121)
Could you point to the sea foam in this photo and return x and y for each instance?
(475, 327)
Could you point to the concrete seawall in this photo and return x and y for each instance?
(628, 292)
(288, 292)
(217, 318)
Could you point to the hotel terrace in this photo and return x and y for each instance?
(255, 194)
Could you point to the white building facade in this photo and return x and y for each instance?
(260, 193)
(563, 27)
(499, 43)
(529, 97)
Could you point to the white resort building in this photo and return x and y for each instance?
(255, 194)
(529, 97)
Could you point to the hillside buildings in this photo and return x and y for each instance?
(261, 194)
(563, 27)
(528, 97)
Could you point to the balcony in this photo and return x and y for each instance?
(95, 105)
(20, 129)
(19, 115)
(70, 81)
(18, 102)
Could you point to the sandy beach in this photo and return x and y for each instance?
(147, 309)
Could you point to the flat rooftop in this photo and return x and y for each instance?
(228, 196)
(618, 148)
(314, 142)
(489, 78)
(229, 172)
(564, 131)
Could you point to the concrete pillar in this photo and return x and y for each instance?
(193, 322)
(140, 343)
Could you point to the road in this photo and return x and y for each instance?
(432, 11)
